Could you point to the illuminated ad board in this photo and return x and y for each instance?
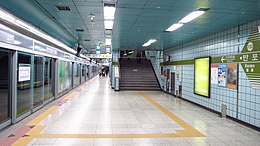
(202, 76)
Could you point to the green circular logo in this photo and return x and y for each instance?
(250, 46)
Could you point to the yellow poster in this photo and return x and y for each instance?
(201, 77)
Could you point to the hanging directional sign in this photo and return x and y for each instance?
(252, 69)
(238, 58)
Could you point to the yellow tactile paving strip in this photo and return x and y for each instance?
(108, 135)
(35, 132)
(42, 116)
(30, 135)
(188, 131)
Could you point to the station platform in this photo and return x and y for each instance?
(95, 115)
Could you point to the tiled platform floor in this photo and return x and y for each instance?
(96, 115)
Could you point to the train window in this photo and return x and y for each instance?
(48, 78)
(76, 79)
(65, 76)
(38, 91)
(4, 86)
(24, 83)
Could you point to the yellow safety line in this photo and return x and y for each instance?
(42, 116)
(29, 136)
(107, 135)
(188, 129)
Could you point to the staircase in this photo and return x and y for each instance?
(137, 76)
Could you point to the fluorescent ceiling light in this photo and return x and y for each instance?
(146, 44)
(191, 16)
(149, 42)
(23, 24)
(6, 16)
(174, 27)
(109, 24)
(108, 42)
(107, 50)
(109, 12)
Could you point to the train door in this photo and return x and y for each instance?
(48, 79)
(173, 83)
(83, 73)
(87, 72)
(5, 88)
(24, 85)
(38, 82)
(168, 80)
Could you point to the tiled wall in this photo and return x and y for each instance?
(221, 43)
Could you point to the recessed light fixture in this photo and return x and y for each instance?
(174, 27)
(109, 11)
(109, 15)
(187, 19)
(6, 16)
(109, 24)
(191, 16)
(108, 42)
(149, 42)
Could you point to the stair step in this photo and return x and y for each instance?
(138, 88)
(135, 76)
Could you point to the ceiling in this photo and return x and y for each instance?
(136, 21)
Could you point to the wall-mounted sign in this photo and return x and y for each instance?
(177, 72)
(24, 72)
(202, 76)
(222, 75)
(214, 74)
(99, 55)
(232, 76)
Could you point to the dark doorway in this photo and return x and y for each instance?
(5, 111)
(168, 81)
(173, 83)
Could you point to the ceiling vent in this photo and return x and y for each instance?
(79, 30)
(63, 8)
(86, 40)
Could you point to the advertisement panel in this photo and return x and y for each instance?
(214, 74)
(202, 76)
(222, 75)
(232, 76)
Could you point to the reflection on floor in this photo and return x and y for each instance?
(96, 115)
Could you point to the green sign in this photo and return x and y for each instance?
(202, 76)
(252, 71)
(238, 58)
(252, 68)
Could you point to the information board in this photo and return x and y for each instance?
(202, 76)
(24, 72)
